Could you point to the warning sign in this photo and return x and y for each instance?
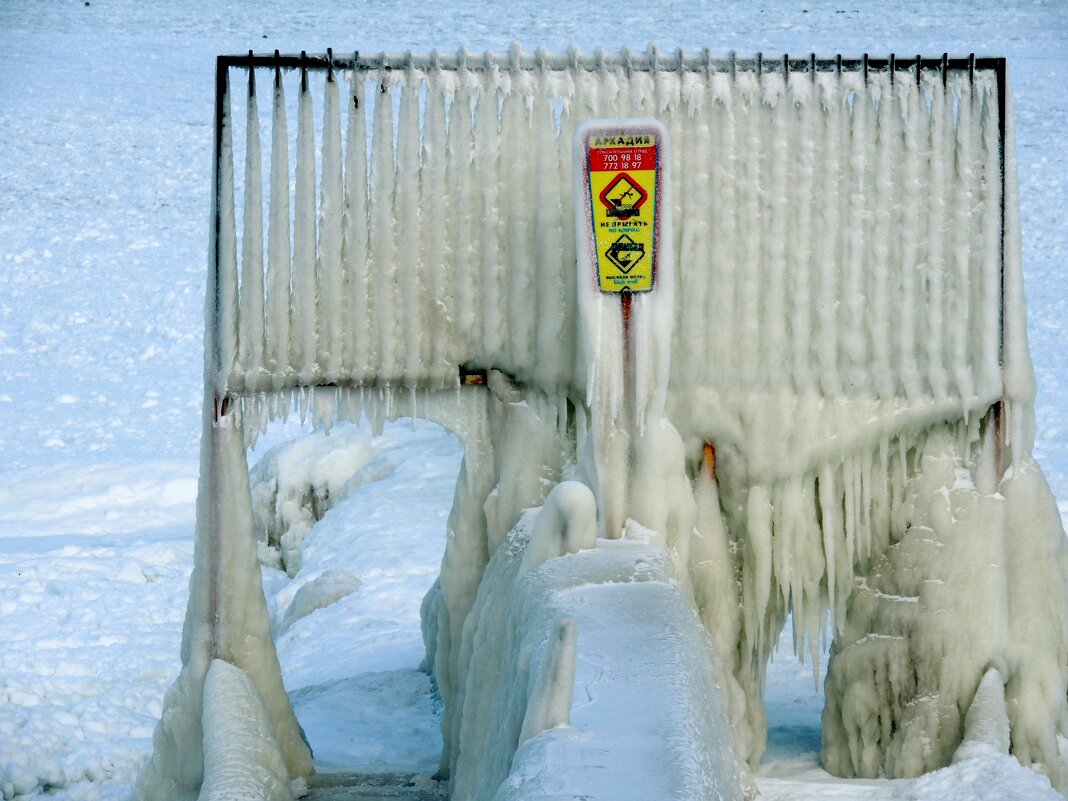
(623, 185)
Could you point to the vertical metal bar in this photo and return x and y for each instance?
(999, 408)
(212, 370)
(1000, 71)
(216, 228)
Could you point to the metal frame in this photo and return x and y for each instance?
(650, 60)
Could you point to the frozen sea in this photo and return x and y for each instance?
(105, 149)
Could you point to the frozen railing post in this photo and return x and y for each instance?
(626, 294)
(844, 356)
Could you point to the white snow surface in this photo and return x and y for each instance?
(646, 719)
(105, 147)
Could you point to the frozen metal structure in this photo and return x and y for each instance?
(847, 319)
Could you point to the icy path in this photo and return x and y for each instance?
(351, 668)
(377, 787)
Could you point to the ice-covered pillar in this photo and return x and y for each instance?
(226, 618)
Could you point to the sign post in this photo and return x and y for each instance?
(622, 188)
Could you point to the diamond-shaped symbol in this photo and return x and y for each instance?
(625, 253)
(623, 197)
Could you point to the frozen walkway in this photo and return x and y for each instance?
(377, 787)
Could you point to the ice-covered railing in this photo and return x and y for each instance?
(840, 236)
(848, 316)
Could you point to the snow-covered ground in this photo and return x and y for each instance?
(105, 134)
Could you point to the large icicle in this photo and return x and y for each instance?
(303, 314)
(359, 338)
(332, 313)
(439, 350)
(408, 216)
(461, 222)
(276, 333)
(224, 309)
(381, 254)
(251, 344)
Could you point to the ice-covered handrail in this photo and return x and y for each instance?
(839, 224)
(677, 60)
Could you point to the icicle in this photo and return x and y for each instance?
(758, 588)
(692, 247)
(774, 347)
(381, 255)
(551, 306)
(828, 223)
(303, 309)
(463, 245)
(516, 180)
(935, 252)
(276, 331)
(411, 329)
(487, 149)
(250, 345)
(359, 339)
(881, 205)
(989, 322)
(332, 313)
(750, 188)
(912, 289)
(323, 403)
(857, 187)
(439, 351)
(962, 315)
(724, 258)
(572, 368)
(226, 255)
(803, 136)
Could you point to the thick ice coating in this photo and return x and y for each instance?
(832, 391)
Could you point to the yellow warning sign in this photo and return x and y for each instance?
(623, 173)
